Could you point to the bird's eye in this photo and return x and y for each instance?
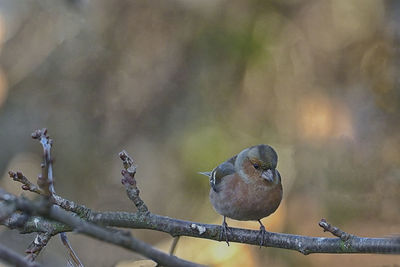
(256, 166)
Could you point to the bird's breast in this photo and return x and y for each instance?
(245, 201)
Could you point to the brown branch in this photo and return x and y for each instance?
(14, 258)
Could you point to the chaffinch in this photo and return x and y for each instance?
(246, 187)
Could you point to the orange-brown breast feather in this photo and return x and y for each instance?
(246, 201)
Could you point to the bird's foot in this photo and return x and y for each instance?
(224, 232)
(262, 234)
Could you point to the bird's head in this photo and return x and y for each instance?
(258, 162)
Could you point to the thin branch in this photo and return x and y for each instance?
(69, 205)
(129, 182)
(71, 252)
(174, 227)
(44, 217)
(45, 180)
(26, 184)
(14, 258)
(46, 184)
(63, 203)
(27, 224)
(173, 245)
(37, 245)
(302, 244)
(334, 230)
(120, 238)
(124, 240)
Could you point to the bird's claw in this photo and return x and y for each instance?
(262, 234)
(224, 232)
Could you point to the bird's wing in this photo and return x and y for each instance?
(220, 172)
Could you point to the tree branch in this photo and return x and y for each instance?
(62, 212)
(174, 227)
(129, 182)
(46, 185)
(53, 214)
(26, 184)
(334, 230)
(45, 180)
(303, 244)
(14, 258)
(45, 209)
(36, 246)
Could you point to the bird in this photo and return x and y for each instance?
(246, 187)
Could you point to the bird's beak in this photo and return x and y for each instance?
(268, 175)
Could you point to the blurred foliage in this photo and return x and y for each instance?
(184, 85)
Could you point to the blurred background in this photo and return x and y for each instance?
(182, 86)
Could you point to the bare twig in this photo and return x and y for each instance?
(46, 184)
(37, 245)
(14, 258)
(63, 203)
(71, 251)
(45, 180)
(175, 227)
(120, 238)
(124, 240)
(334, 230)
(69, 205)
(26, 184)
(129, 182)
(303, 244)
(173, 245)
(79, 225)
(34, 224)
